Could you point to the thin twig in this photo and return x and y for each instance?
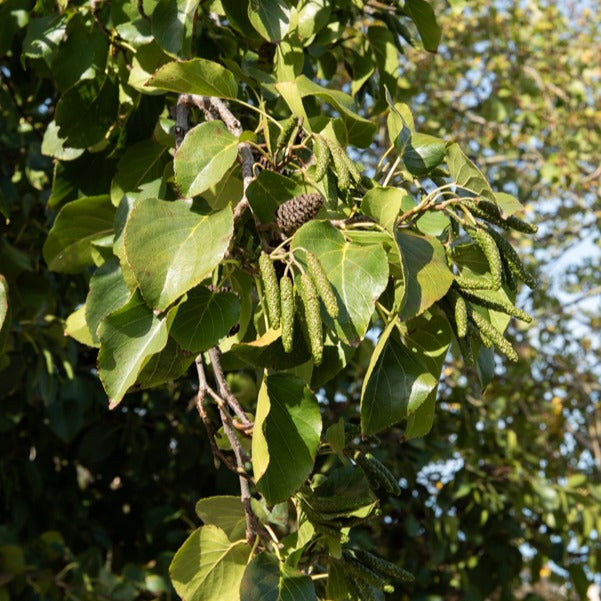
(224, 389)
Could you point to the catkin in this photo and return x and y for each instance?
(502, 307)
(362, 572)
(288, 127)
(459, 312)
(342, 170)
(312, 317)
(324, 288)
(487, 245)
(386, 568)
(494, 336)
(490, 212)
(271, 290)
(287, 312)
(322, 157)
(513, 260)
(377, 473)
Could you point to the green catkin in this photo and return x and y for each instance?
(490, 212)
(338, 504)
(287, 312)
(322, 157)
(467, 283)
(313, 317)
(494, 335)
(506, 308)
(361, 572)
(463, 343)
(271, 289)
(324, 288)
(383, 567)
(513, 260)
(342, 170)
(351, 167)
(288, 126)
(459, 312)
(487, 245)
(377, 472)
(478, 336)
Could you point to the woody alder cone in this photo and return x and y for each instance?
(290, 215)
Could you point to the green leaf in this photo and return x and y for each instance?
(399, 118)
(172, 24)
(225, 512)
(265, 578)
(400, 377)
(286, 436)
(82, 55)
(43, 36)
(208, 566)
(128, 337)
(507, 203)
(53, 145)
(423, 16)
(271, 18)
(313, 15)
(423, 153)
(427, 274)
(172, 246)
(68, 248)
(86, 111)
(466, 174)
(360, 131)
(384, 205)
(269, 190)
(205, 156)
(141, 163)
(358, 273)
(169, 364)
(204, 318)
(108, 292)
(197, 76)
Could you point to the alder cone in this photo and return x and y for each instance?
(290, 215)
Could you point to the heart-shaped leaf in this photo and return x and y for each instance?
(171, 247)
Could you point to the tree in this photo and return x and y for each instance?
(205, 179)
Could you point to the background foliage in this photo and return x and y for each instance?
(499, 500)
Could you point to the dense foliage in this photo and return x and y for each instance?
(300, 284)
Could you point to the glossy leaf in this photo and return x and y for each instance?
(169, 364)
(182, 244)
(267, 579)
(384, 205)
(424, 18)
(428, 276)
(358, 273)
(208, 566)
(205, 156)
(423, 153)
(108, 292)
(271, 18)
(196, 76)
(204, 318)
(128, 337)
(172, 23)
(397, 382)
(68, 248)
(286, 436)
(466, 174)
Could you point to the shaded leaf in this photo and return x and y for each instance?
(172, 23)
(423, 16)
(68, 248)
(204, 318)
(128, 337)
(428, 276)
(271, 18)
(466, 174)
(286, 436)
